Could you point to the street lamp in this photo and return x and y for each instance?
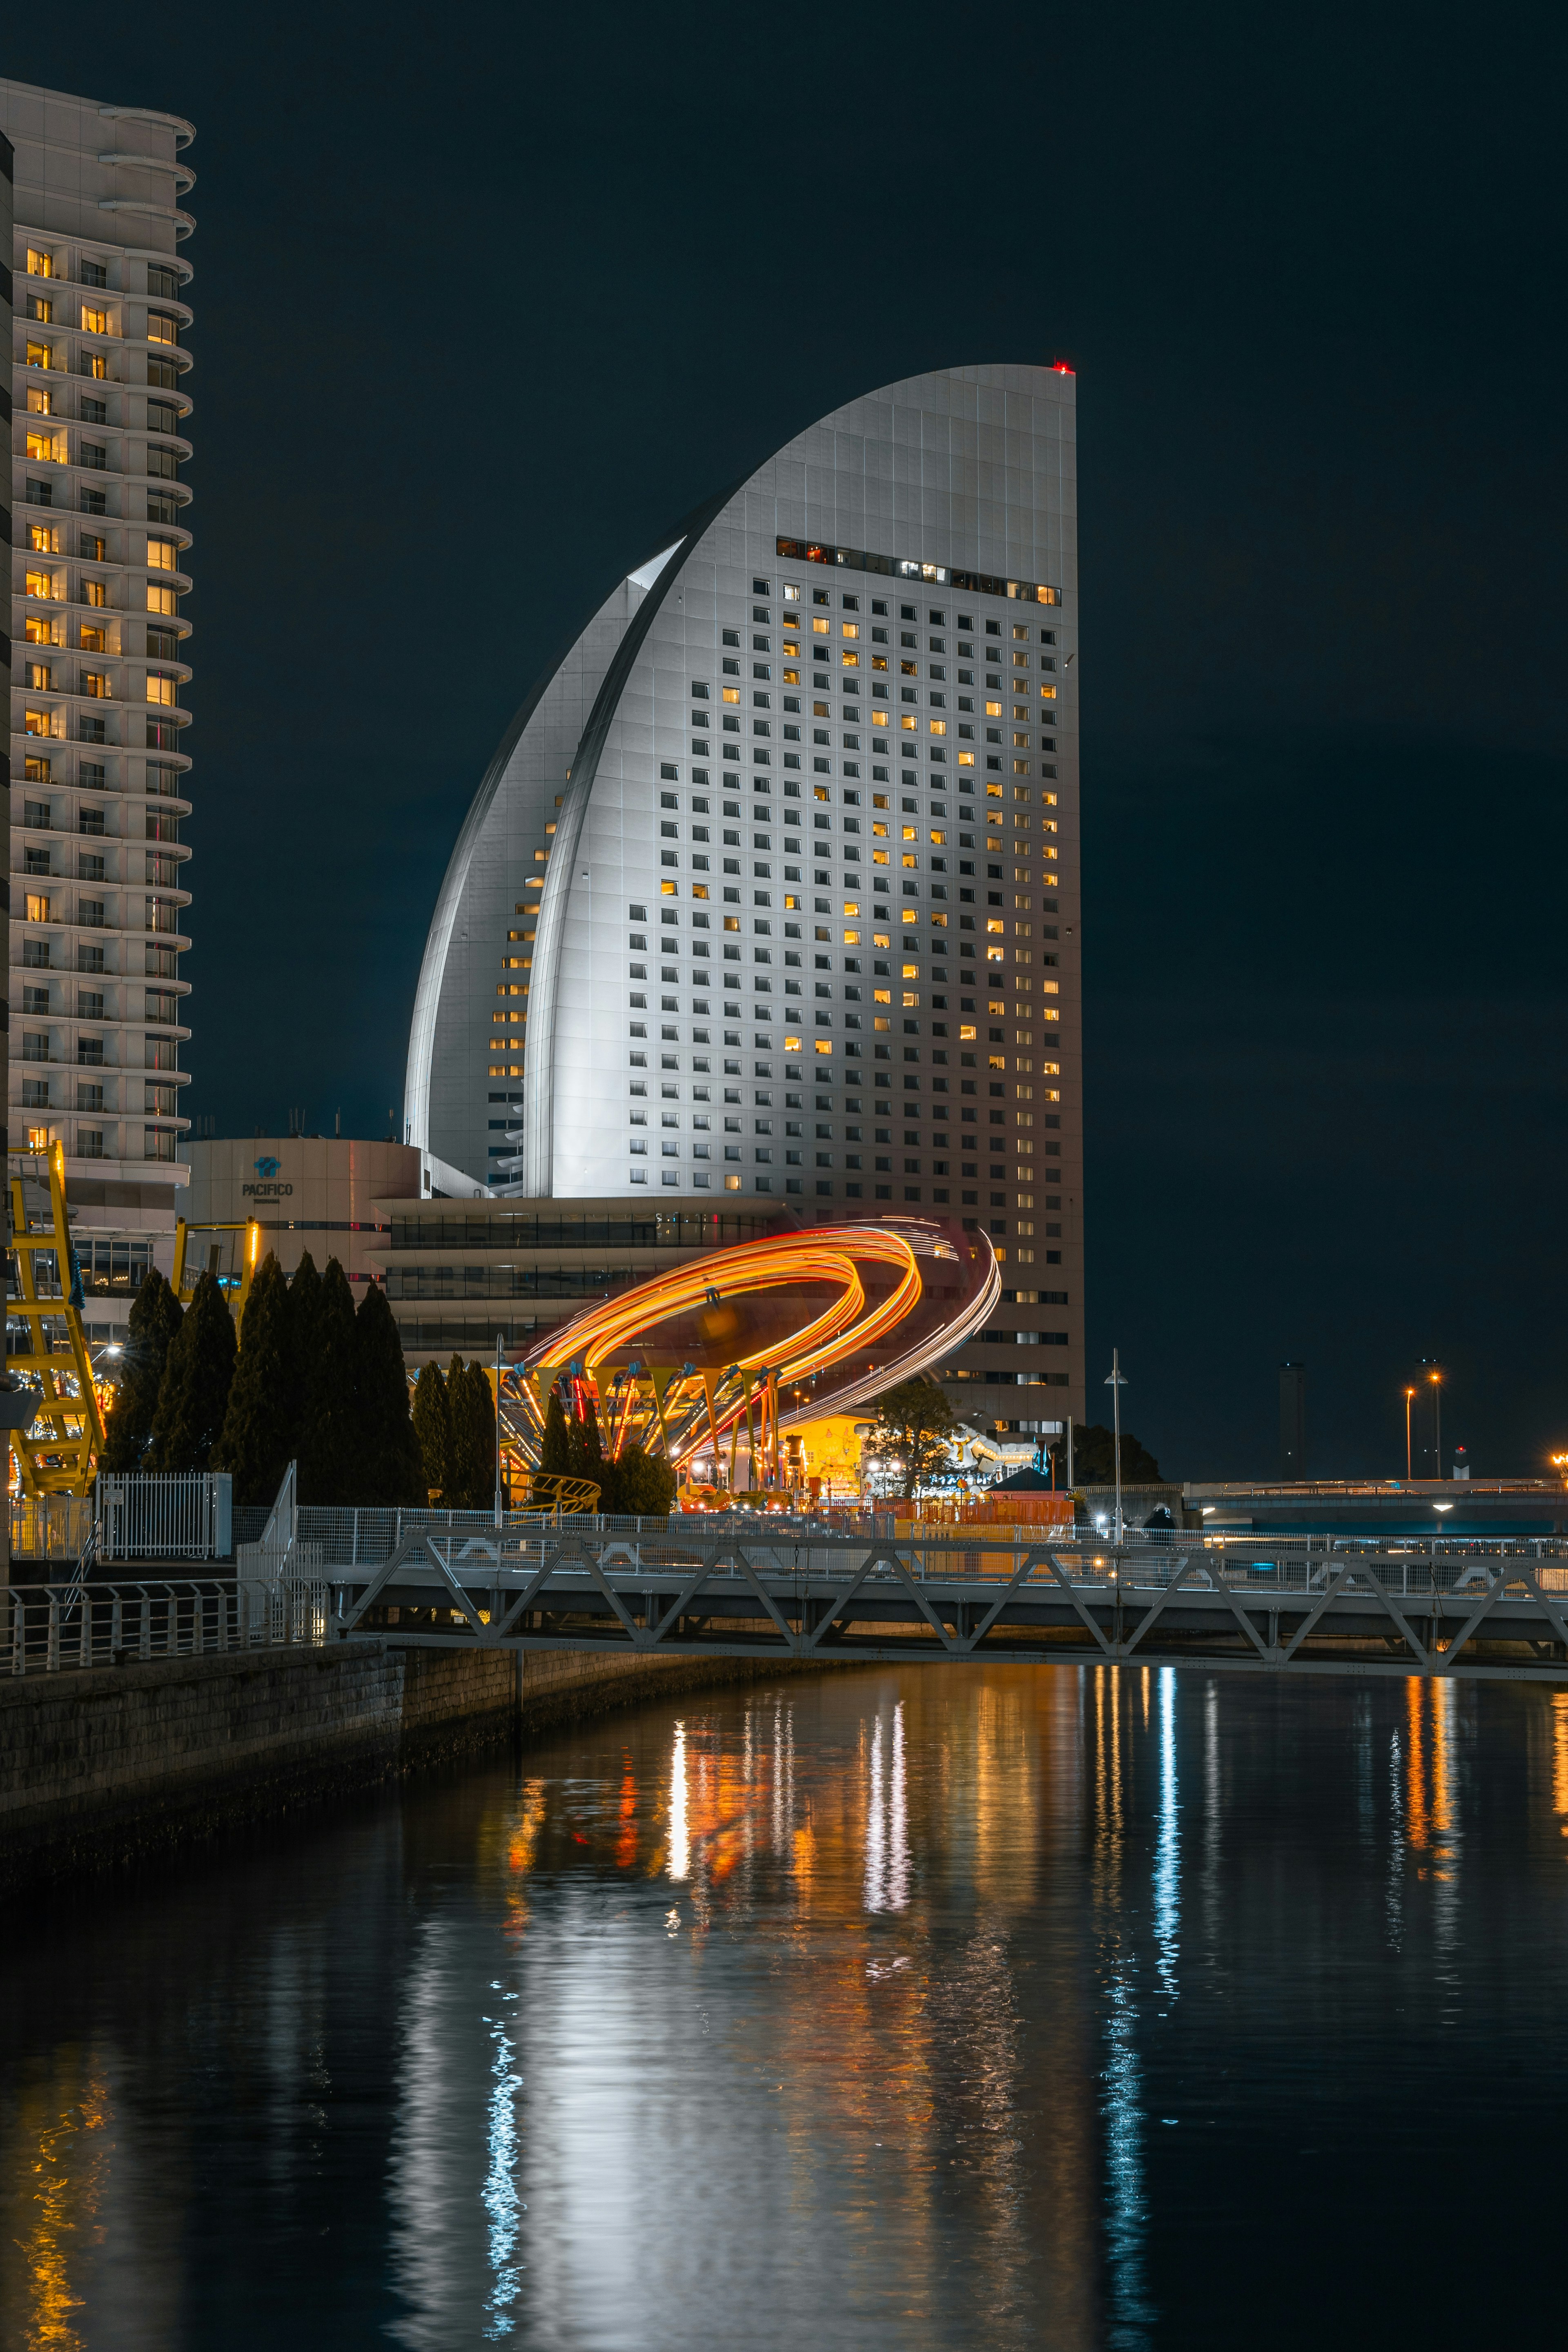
(1560, 1464)
(1437, 1380)
(1409, 1401)
(1116, 1383)
(501, 1338)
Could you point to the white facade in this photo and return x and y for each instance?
(326, 1193)
(773, 888)
(100, 564)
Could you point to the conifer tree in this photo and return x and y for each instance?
(194, 1397)
(555, 1453)
(155, 1316)
(640, 1483)
(433, 1428)
(454, 1492)
(331, 1470)
(586, 1454)
(391, 1457)
(261, 1427)
(472, 1408)
(304, 1300)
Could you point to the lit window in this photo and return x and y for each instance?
(672, 890)
(823, 1044)
(819, 628)
(791, 1045)
(160, 688)
(912, 996)
(39, 265)
(1048, 694)
(882, 996)
(92, 640)
(40, 400)
(96, 591)
(161, 328)
(96, 322)
(40, 583)
(44, 449)
(37, 355)
(159, 600)
(37, 630)
(161, 554)
(37, 722)
(909, 858)
(851, 938)
(911, 972)
(939, 727)
(850, 659)
(732, 693)
(37, 909)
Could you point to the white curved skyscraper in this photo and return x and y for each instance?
(772, 887)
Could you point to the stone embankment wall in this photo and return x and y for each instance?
(103, 1766)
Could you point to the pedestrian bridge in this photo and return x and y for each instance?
(757, 1588)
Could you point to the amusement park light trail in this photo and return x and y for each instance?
(690, 1372)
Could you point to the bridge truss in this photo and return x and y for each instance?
(1485, 1610)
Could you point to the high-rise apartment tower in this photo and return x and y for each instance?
(99, 566)
(771, 893)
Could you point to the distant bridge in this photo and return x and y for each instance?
(754, 1588)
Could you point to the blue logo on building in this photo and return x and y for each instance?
(267, 1165)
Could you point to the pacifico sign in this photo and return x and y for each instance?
(266, 1188)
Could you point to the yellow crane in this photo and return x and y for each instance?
(59, 1455)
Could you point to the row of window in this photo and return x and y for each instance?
(160, 506)
(48, 538)
(160, 778)
(857, 558)
(100, 1143)
(164, 279)
(852, 1189)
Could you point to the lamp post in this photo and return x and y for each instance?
(1115, 1382)
(1409, 1401)
(1437, 1380)
(500, 1336)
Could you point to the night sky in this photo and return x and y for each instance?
(1310, 273)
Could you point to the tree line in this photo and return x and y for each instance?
(310, 1381)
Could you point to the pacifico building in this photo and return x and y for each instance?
(768, 903)
(100, 563)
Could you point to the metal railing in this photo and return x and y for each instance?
(50, 1528)
(64, 1627)
(1147, 1560)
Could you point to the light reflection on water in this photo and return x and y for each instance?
(909, 2009)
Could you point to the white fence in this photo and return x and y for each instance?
(165, 1515)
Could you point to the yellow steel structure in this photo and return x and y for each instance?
(59, 1456)
(233, 1260)
(551, 1491)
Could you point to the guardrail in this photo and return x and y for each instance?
(61, 1628)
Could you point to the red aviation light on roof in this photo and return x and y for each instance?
(1060, 367)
